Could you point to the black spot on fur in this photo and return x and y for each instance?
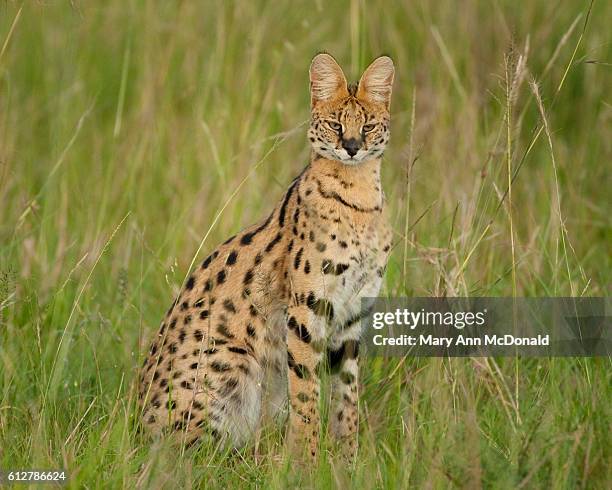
(273, 242)
(208, 260)
(300, 330)
(341, 268)
(221, 275)
(247, 238)
(237, 350)
(311, 300)
(334, 358)
(300, 370)
(348, 350)
(190, 283)
(283, 208)
(229, 306)
(231, 258)
(198, 335)
(327, 266)
(320, 307)
(298, 258)
(219, 366)
(354, 319)
(222, 329)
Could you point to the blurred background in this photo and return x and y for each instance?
(137, 135)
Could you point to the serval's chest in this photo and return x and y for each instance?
(357, 271)
(349, 236)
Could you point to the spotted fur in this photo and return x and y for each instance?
(254, 323)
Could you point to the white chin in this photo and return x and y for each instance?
(346, 159)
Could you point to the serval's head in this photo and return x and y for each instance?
(349, 123)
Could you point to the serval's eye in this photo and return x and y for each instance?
(368, 127)
(335, 126)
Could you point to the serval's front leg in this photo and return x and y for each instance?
(304, 345)
(344, 415)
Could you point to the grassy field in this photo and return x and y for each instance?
(132, 133)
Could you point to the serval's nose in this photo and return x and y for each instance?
(351, 146)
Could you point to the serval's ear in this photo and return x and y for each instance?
(376, 82)
(327, 79)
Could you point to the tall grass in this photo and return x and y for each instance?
(134, 134)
